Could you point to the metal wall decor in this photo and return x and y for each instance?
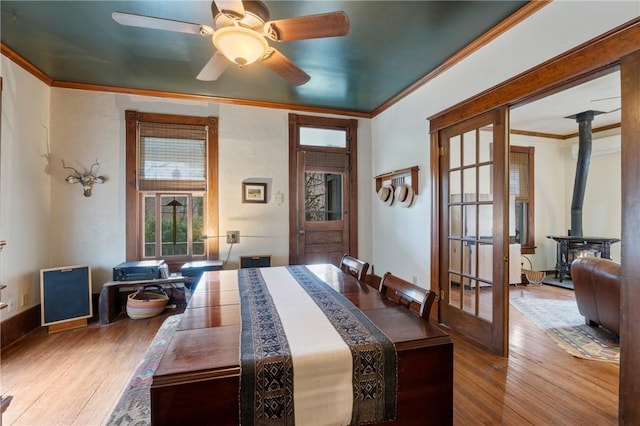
(86, 179)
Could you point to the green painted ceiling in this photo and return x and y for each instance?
(391, 45)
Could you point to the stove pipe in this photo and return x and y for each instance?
(582, 169)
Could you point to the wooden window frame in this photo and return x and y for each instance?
(134, 229)
(529, 246)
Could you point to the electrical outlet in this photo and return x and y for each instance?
(12, 304)
(25, 299)
(415, 279)
(233, 237)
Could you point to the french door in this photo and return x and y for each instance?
(473, 233)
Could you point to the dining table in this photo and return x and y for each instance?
(197, 380)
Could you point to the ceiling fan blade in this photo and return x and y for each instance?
(134, 20)
(216, 66)
(605, 99)
(311, 26)
(285, 68)
(231, 8)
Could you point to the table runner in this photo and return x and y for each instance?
(308, 355)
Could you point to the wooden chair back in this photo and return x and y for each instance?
(373, 280)
(415, 298)
(354, 267)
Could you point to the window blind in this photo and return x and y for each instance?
(519, 175)
(171, 157)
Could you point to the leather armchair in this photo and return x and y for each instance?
(596, 282)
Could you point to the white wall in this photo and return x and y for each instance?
(402, 238)
(58, 226)
(24, 186)
(253, 144)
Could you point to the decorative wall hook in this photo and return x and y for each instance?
(86, 179)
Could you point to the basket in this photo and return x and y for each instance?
(146, 304)
(534, 277)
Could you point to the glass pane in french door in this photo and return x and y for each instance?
(470, 236)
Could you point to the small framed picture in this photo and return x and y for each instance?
(254, 192)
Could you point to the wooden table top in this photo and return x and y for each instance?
(206, 343)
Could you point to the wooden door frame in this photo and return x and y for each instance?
(351, 127)
(618, 47)
(629, 409)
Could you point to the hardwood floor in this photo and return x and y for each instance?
(76, 377)
(539, 383)
(73, 377)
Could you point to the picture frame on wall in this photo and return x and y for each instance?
(254, 192)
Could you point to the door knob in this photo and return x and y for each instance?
(302, 232)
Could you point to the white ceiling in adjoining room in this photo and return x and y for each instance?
(547, 115)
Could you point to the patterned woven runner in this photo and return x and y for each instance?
(276, 382)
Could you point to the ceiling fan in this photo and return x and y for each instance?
(608, 99)
(240, 33)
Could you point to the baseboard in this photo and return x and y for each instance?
(18, 325)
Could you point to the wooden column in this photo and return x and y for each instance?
(629, 408)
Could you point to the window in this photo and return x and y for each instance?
(171, 187)
(322, 196)
(522, 196)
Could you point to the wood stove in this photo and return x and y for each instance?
(572, 247)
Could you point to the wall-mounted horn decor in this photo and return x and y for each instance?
(86, 179)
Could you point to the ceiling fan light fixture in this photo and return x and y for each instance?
(240, 45)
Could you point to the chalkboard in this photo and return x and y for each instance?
(66, 294)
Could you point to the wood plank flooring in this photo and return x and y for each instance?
(76, 377)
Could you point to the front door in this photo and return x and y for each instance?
(473, 234)
(323, 220)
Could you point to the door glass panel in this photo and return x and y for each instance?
(329, 138)
(485, 144)
(454, 152)
(485, 274)
(454, 289)
(455, 221)
(322, 196)
(485, 183)
(455, 256)
(455, 187)
(469, 184)
(485, 221)
(469, 299)
(469, 145)
(485, 301)
(470, 221)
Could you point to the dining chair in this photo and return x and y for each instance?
(354, 267)
(372, 279)
(415, 298)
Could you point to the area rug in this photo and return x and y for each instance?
(562, 322)
(134, 406)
